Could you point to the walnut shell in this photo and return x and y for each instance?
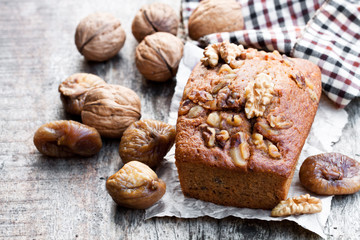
(213, 16)
(158, 56)
(99, 36)
(135, 185)
(155, 17)
(111, 109)
(74, 89)
(146, 141)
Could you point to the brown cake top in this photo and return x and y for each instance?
(247, 109)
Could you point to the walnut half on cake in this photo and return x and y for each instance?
(243, 120)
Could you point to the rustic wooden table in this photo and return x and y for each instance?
(46, 198)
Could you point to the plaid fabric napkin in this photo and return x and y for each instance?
(324, 32)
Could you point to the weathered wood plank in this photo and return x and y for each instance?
(44, 198)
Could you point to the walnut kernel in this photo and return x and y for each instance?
(303, 204)
(227, 51)
(263, 127)
(279, 122)
(273, 150)
(313, 95)
(230, 51)
(230, 76)
(211, 104)
(258, 95)
(211, 55)
(208, 134)
(265, 145)
(213, 119)
(298, 78)
(226, 69)
(309, 84)
(219, 86)
(239, 148)
(310, 90)
(258, 140)
(185, 107)
(234, 120)
(195, 111)
(222, 137)
(223, 97)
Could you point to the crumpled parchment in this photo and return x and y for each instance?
(320, 140)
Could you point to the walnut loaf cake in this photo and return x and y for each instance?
(243, 120)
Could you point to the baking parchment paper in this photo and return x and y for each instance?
(326, 130)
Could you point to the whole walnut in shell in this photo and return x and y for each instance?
(99, 36)
(146, 141)
(74, 89)
(155, 17)
(135, 185)
(158, 55)
(111, 109)
(213, 16)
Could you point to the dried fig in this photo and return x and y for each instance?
(146, 141)
(213, 16)
(74, 89)
(135, 185)
(155, 17)
(330, 174)
(99, 36)
(67, 139)
(111, 109)
(158, 56)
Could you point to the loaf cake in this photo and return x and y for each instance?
(242, 122)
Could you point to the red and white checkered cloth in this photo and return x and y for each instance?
(324, 32)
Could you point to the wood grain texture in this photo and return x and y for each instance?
(47, 198)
